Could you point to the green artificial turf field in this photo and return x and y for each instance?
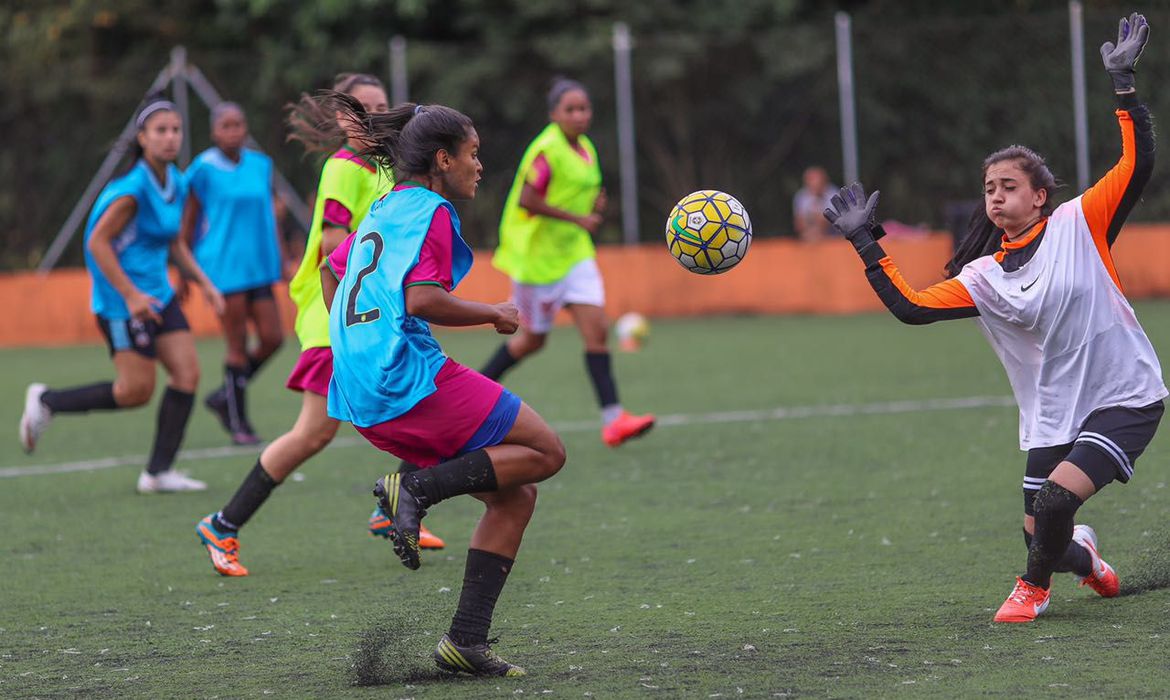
(830, 507)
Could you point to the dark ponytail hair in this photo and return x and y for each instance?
(983, 237)
(406, 138)
(312, 121)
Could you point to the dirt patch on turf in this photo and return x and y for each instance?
(1152, 570)
(396, 649)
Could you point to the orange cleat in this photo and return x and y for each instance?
(222, 547)
(626, 427)
(1103, 579)
(380, 527)
(1024, 604)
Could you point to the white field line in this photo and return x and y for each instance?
(769, 414)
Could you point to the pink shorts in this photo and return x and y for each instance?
(442, 423)
(312, 372)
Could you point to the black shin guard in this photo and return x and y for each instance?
(1056, 509)
(601, 374)
(500, 363)
(254, 365)
(80, 399)
(483, 579)
(469, 473)
(173, 414)
(1076, 559)
(255, 489)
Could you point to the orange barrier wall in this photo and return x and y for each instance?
(778, 276)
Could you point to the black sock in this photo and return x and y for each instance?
(483, 579)
(251, 494)
(235, 381)
(405, 467)
(79, 399)
(469, 473)
(254, 365)
(501, 362)
(601, 372)
(1056, 507)
(173, 413)
(1076, 559)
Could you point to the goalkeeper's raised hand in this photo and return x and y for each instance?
(852, 215)
(1132, 34)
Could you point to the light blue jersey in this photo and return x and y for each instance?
(385, 360)
(143, 246)
(235, 240)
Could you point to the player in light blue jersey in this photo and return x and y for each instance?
(230, 223)
(131, 232)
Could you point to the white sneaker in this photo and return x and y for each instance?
(169, 481)
(35, 419)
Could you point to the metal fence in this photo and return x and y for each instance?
(743, 114)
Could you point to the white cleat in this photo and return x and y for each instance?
(170, 481)
(35, 419)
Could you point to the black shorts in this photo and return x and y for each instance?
(1109, 443)
(139, 336)
(255, 293)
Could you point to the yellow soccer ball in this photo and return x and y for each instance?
(708, 232)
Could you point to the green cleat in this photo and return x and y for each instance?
(405, 513)
(476, 660)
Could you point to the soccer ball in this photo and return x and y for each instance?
(708, 232)
(632, 331)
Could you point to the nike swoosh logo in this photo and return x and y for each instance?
(1026, 287)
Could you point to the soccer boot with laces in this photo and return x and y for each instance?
(1103, 578)
(222, 546)
(476, 660)
(405, 513)
(1024, 604)
(626, 427)
(380, 527)
(35, 419)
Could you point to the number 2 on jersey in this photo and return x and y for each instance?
(352, 315)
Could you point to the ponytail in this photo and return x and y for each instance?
(406, 138)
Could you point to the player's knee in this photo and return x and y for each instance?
(552, 455)
(131, 393)
(186, 379)
(528, 344)
(317, 438)
(1055, 501)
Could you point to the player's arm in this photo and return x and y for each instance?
(101, 246)
(852, 215)
(1108, 203)
(434, 304)
(532, 199)
(189, 269)
(329, 284)
(192, 209)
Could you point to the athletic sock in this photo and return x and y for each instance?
(601, 373)
(235, 383)
(405, 467)
(469, 473)
(1056, 509)
(173, 414)
(1076, 559)
(255, 489)
(79, 399)
(500, 363)
(483, 579)
(610, 413)
(254, 365)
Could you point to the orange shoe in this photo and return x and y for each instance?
(1024, 604)
(626, 427)
(222, 547)
(1103, 579)
(380, 527)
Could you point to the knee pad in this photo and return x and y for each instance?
(1055, 501)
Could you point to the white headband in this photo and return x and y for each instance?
(151, 109)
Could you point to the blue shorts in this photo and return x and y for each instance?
(497, 425)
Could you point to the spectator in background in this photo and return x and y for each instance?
(810, 202)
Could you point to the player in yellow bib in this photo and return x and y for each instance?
(348, 186)
(546, 248)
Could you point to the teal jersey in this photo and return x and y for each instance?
(144, 245)
(235, 239)
(385, 360)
